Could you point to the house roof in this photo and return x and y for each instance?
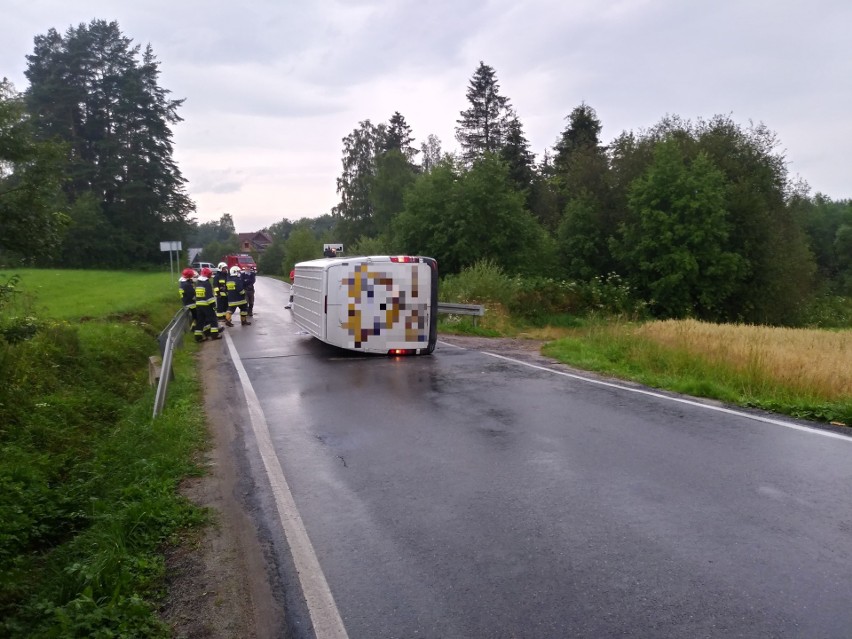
(258, 240)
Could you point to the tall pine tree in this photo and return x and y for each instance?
(582, 133)
(581, 180)
(483, 127)
(92, 90)
(398, 136)
(517, 155)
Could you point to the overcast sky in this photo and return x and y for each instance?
(272, 86)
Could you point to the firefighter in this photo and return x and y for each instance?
(186, 290)
(205, 305)
(249, 277)
(220, 288)
(236, 298)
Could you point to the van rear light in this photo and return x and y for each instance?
(404, 259)
(402, 351)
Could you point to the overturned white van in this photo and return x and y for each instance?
(378, 304)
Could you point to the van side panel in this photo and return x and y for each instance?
(375, 306)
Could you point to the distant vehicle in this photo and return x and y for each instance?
(379, 304)
(197, 266)
(243, 260)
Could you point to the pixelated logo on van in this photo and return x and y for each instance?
(389, 308)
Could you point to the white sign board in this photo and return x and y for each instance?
(170, 246)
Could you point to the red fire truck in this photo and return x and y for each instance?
(243, 260)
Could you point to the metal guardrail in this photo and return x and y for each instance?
(169, 338)
(476, 310)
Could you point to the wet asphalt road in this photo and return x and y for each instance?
(463, 495)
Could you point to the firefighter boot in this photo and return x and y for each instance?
(228, 321)
(244, 321)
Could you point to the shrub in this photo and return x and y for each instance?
(611, 295)
(9, 290)
(828, 311)
(539, 297)
(483, 282)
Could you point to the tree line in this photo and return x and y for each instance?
(700, 218)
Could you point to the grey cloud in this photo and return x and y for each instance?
(225, 187)
(215, 181)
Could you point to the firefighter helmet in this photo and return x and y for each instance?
(188, 273)
(221, 265)
(235, 270)
(206, 272)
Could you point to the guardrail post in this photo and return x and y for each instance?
(155, 367)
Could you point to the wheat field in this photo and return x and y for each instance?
(812, 362)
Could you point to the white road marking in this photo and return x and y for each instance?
(720, 409)
(323, 611)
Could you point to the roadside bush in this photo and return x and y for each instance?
(17, 329)
(9, 290)
(483, 282)
(14, 328)
(538, 297)
(828, 311)
(541, 299)
(611, 295)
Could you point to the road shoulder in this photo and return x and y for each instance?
(217, 580)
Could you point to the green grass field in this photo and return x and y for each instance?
(75, 294)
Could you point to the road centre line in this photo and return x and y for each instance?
(720, 409)
(322, 609)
